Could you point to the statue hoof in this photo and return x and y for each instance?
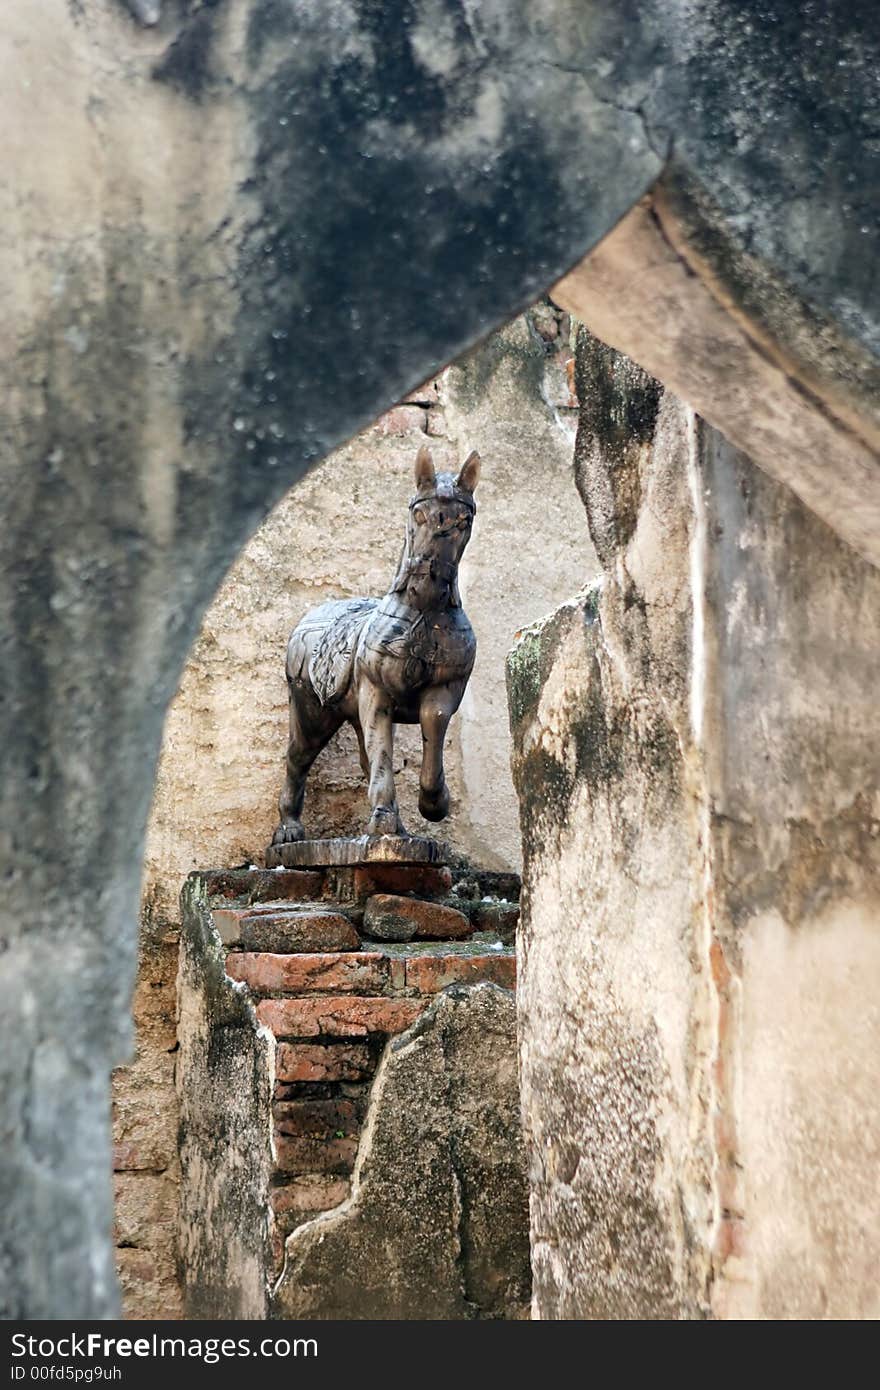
(434, 807)
(288, 832)
(384, 821)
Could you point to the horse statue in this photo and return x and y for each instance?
(401, 659)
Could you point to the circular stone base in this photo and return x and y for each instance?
(363, 849)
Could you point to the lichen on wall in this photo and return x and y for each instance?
(225, 1089)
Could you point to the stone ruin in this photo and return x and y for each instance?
(698, 181)
(350, 1133)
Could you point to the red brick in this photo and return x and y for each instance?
(319, 1119)
(292, 931)
(226, 883)
(392, 918)
(315, 1155)
(328, 1062)
(428, 974)
(357, 972)
(312, 1192)
(402, 419)
(350, 1017)
(427, 880)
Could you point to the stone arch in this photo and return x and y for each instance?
(187, 197)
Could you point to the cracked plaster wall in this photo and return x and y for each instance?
(696, 757)
(181, 196)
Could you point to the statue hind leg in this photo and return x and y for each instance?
(311, 727)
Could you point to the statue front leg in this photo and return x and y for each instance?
(374, 714)
(437, 708)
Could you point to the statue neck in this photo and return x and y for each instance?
(426, 586)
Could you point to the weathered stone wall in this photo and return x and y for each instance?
(145, 1135)
(338, 533)
(284, 215)
(696, 758)
(180, 200)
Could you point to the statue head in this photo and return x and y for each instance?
(441, 514)
(443, 508)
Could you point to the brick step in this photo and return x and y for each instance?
(315, 927)
(301, 1198)
(263, 885)
(429, 974)
(306, 1155)
(352, 972)
(338, 960)
(308, 1194)
(268, 975)
(355, 1016)
(336, 1118)
(461, 886)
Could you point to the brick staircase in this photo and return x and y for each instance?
(338, 960)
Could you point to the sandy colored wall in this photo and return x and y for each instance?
(338, 534)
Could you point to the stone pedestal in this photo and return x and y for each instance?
(294, 1106)
(358, 849)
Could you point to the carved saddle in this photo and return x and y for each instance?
(332, 657)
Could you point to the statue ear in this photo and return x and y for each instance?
(470, 472)
(425, 475)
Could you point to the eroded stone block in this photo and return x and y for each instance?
(351, 972)
(390, 917)
(307, 930)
